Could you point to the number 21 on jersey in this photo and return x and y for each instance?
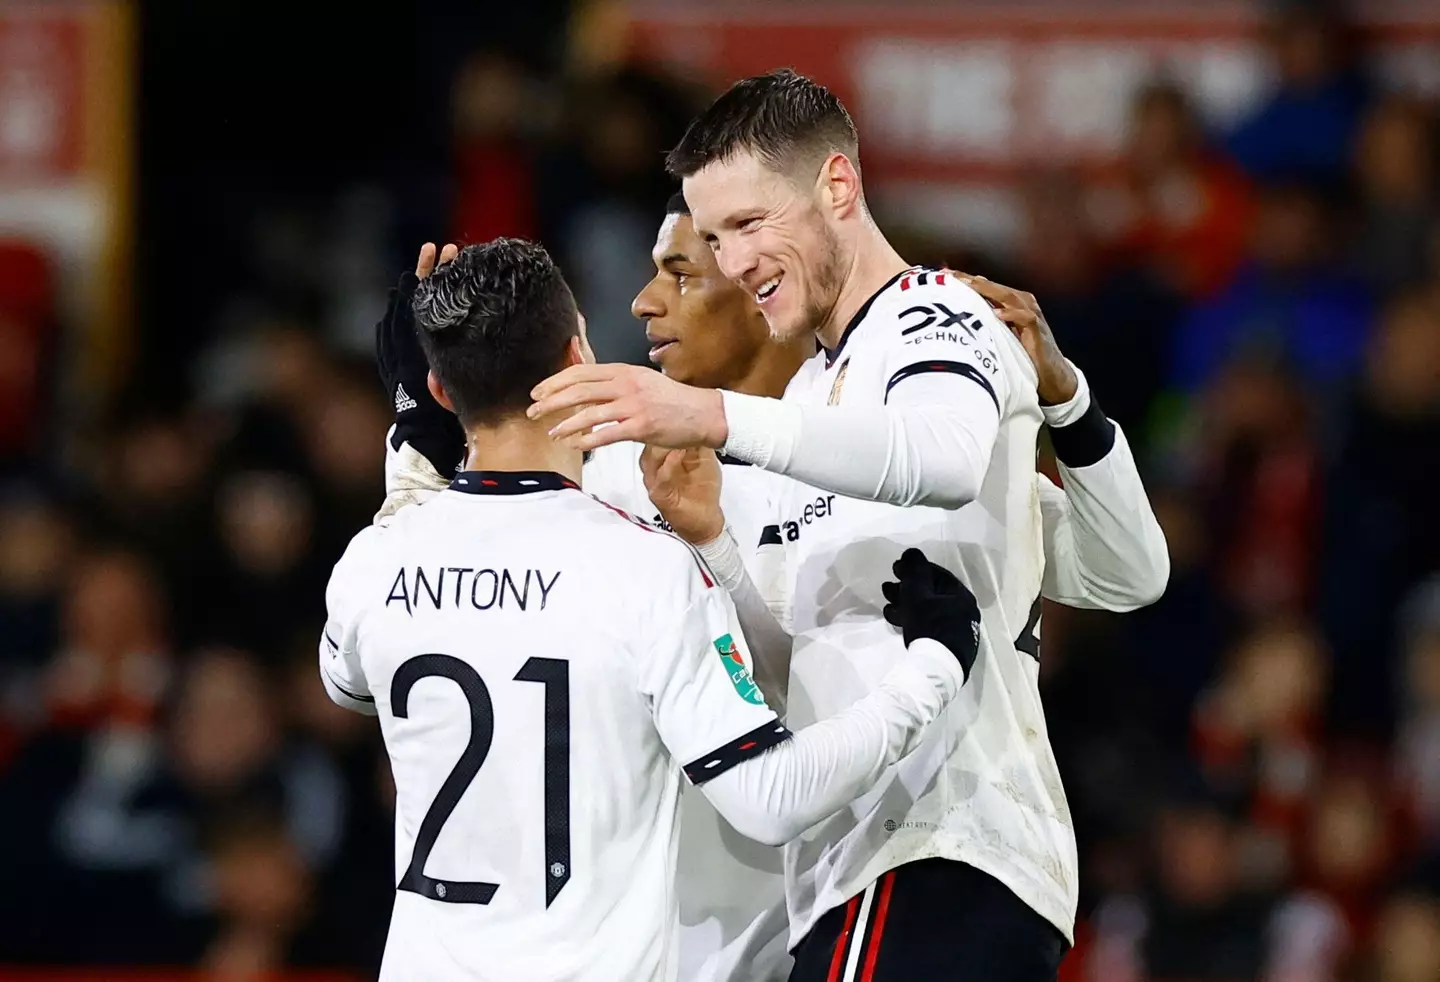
(554, 674)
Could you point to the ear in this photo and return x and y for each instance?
(840, 180)
(586, 353)
(438, 391)
(576, 353)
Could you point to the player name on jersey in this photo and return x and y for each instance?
(420, 589)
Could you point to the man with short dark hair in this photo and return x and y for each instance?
(921, 412)
(540, 662)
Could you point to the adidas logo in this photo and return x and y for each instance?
(402, 399)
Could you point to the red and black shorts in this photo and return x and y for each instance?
(931, 921)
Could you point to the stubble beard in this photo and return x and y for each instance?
(825, 277)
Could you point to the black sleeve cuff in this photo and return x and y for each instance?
(737, 751)
(1087, 440)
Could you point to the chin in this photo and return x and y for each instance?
(787, 330)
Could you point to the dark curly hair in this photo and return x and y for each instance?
(494, 322)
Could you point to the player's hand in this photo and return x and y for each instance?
(1021, 313)
(927, 601)
(685, 486)
(644, 405)
(420, 421)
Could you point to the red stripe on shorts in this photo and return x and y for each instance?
(842, 942)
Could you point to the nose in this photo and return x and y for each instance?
(735, 258)
(647, 303)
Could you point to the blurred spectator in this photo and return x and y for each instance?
(1258, 732)
(1419, 733)
(1395, 168)
(607, 193)
(1407, 942)
(1187, 208)
(1256, 467)
(266, 521)
(1308, 123)
(1195, 922)
(1380, 516)
(1116, 323)
(1289, 304)
(27, 323)
(495, 120)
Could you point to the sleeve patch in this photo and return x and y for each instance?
(736, 752)
(737, 671)
(953, 367)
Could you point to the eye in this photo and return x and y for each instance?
(745, 224)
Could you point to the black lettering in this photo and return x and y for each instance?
(545, 587)
(475, 588)
(830, 503)
(462, 570)
(925, 312)
(403, 595)
(953, 318)
(519, 597)
(792, 531)
(434, 594)
(809, 514)
(821, 508)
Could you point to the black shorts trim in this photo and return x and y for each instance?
(737, 751)
(953, 367)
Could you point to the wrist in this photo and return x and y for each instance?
(1058, 384)
(716, 428)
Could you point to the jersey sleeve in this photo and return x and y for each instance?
(341, 670)
(707, 707)
(942, 395)
(1104, 548)
(935, 325)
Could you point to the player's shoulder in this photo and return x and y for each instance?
(366, 551)
(925, 299)
(642, 549)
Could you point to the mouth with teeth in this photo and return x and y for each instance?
(767, 289)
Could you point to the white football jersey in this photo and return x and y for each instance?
(982, 789)
(539, 662)
(731, 889)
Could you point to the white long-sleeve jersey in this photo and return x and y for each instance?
(1103, 549)
(928, 401)
(540, 663)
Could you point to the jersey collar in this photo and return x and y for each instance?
(830, 356)
(510, 482)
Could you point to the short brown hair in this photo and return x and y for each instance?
(782, 117)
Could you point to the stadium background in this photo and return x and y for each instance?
(1228, 212)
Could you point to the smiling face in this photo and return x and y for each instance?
(772, 238)
(705, 330)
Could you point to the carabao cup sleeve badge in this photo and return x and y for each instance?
(740, 676)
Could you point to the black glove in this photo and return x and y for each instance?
(420, 421)
(929, 602)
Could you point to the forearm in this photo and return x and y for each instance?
(770, 644)
(1110, 552)
(932, 449)
(776, 796)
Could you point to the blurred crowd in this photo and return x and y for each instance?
(1253, 762)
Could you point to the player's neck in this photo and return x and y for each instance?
(875, 263)
(520, 444)
(774, 366)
